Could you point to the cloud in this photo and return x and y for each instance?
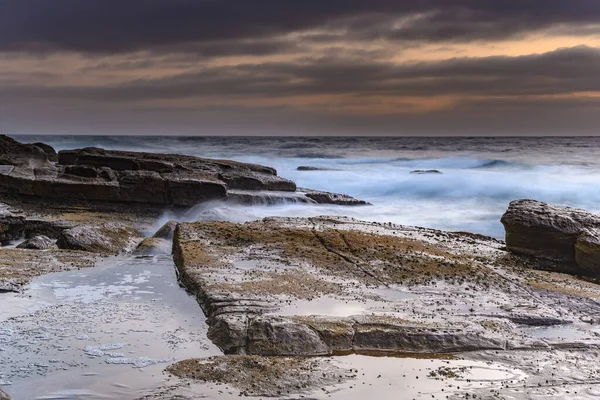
(560, 72)
(242, 26)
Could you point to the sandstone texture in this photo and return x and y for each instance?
(93, 174)
(566, 235)
(330, 285)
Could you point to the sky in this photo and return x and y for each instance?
(300, 67)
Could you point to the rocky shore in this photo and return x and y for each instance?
(122, 176)
(278, 290)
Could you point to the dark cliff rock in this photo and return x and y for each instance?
(96, 174)
(563, 234)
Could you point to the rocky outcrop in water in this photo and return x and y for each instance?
(109, 238)
(332, 198)
(425, 171)
(125, 176)
(566, 235)
(309, 168)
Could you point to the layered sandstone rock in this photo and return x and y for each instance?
(562, 234)
(125, 176)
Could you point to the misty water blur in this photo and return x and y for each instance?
(480, 176)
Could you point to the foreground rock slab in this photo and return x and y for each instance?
(3, 395)
(566, 235)
(321, 286)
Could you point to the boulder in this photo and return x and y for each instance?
(167, 230)
(546, 231)
(38, 243)
(49, 150)
(109, 238)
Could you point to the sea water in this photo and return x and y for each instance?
(479, 175)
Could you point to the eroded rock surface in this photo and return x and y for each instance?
(109, 238)
(319, 286)
(563, 234)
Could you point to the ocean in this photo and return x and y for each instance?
(479, 175)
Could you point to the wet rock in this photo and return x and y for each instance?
(167, 230)
(108, 238)
(38, 243)
(425, 171)
(49, 150)
(555, 233)
(332, 198)
(4, 395)
(153, 246)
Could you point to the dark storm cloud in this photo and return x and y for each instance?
(559, 72)
(121, 26)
